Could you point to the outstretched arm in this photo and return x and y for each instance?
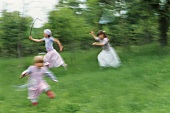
(51, 75)
(24, 73)
(35, 40)
(59, 44)
(104, 42)
(97, 44)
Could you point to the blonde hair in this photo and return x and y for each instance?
(38, 59)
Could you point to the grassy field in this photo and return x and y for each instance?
(140, 85)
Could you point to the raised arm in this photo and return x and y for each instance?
(59, 44)
(35, 40)
(92, 33)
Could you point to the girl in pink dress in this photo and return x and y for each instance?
(52, 58)
(36, 84)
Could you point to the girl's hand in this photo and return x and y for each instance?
(61, 48)
(55, 80)
(21, 76)
(94, 44)
(91, 32)
(30, 37)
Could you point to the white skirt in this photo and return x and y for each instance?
(109, 58)
(53, 58)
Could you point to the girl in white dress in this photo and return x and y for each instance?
(52, 58)
(108, 56)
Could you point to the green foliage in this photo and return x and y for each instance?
(139, 27)
(31, 47)
(146, 21)
(68, 27)
(162, 8)
(13, 33)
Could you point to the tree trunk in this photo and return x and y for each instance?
(163, 28)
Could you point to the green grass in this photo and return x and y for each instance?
(140, 85)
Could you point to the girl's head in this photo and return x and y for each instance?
(101, 34)
(47, 33)
(38, 61)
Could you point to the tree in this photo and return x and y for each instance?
(68, 27)
(161, 7)
(13, 33)
(126, 22)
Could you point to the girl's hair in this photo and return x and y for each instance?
(49, 36)
(100, 32)
(38, 59)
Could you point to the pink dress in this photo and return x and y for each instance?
(52, 58)
(36, 83)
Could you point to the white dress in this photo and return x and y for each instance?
(108, 56)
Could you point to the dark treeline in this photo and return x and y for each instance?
(127, 22)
